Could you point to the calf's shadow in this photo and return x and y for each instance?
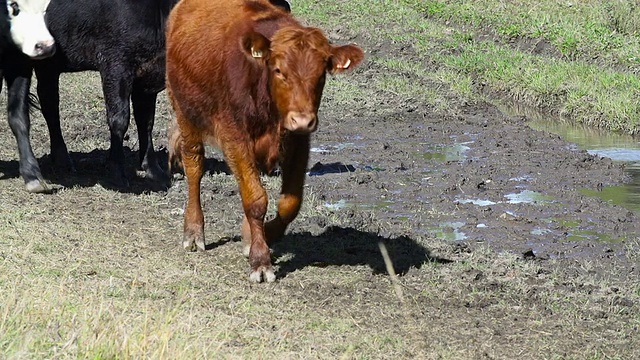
(340, 246)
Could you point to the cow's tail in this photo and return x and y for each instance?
(34, 103)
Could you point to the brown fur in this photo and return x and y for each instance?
(246, 76)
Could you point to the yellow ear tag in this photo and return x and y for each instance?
(256, 53)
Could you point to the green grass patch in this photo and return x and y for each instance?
(594, 82)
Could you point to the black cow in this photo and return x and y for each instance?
(125, 41)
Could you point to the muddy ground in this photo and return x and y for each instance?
(436, 186)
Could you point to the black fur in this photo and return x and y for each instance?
(124, 41)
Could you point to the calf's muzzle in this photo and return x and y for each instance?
(301, 122)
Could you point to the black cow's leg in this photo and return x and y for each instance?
(116, 85)
(18, 83)
(144, 111)
(49, 97)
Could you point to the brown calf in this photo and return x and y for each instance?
(247, 77)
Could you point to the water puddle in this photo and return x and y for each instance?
(581, 235)
(449, 231)
(477, 202)
(326, 149)
(572, 231)
(523, 197)
(393, 208)
(618, 147)
(528, 197)
(340, 204)
(455, 152)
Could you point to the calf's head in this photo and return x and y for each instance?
(27, 27)
(298, 60)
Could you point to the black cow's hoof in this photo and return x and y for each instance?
(117, 176)
(62, 161)
(157, 175)
(40, 186)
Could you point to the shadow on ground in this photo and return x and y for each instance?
(91, 170)
(339, 246)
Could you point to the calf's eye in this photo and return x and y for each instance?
(15, 8)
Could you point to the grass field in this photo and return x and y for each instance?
(93, 273)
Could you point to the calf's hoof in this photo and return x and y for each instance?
(39, 186)
(262, 273)
(191, 243)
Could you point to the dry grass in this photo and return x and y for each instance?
(92, 273)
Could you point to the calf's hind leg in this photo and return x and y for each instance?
(116, 86)
(192, 150)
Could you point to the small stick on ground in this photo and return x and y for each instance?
(392, 273)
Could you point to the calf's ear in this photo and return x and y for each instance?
(256, 46)
(344, 58)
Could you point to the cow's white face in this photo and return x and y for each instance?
(28, 30)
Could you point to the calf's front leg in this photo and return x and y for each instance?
(18, 115)
(294, 167)
(254, 201)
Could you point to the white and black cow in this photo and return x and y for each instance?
(23, 36)
(125, 41)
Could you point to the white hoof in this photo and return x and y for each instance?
(200, 244)
(191, 245)
(261, 275)
(39, 187)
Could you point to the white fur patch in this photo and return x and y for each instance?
(28, 30)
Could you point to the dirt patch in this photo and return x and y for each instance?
(499, 253)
